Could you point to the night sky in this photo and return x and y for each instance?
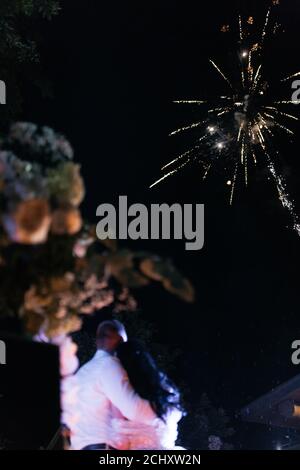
(115, 68)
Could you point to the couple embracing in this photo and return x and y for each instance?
(124, 401)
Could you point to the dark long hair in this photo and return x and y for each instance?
(146, 379)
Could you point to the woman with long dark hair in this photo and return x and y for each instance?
(152, 385)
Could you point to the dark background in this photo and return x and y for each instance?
(115, 68)
(29, 394)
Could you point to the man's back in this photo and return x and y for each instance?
(103, 388)
(93, 407)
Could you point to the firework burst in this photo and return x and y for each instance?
(240, 128)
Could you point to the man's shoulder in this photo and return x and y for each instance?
(97, 362)
(109, 361)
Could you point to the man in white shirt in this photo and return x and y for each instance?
(103, 388)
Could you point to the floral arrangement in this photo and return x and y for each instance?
(64, 270)
(99, 277)
(40, 186)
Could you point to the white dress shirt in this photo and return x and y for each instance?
(157, 435)
(103, 386)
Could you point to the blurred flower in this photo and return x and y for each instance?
(80, 249)
(66, 184)
(33, 321)
(29, 223)
(56, 326)
(125, 302)
(66, 221)
(37, 177)
(35, 301)
(22, 132)
(20, 179)
(61, 283)
(38, 141)
(165, 272)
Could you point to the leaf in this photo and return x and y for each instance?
(120, 265)
(150, 267)
(165, 272)
(185, 291)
